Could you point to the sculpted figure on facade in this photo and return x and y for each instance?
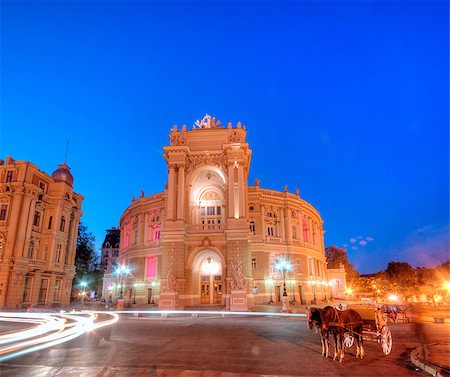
(171, 284)
(216, 159)
(207, 122)
(239, 281)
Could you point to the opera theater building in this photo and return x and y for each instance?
(211, 238)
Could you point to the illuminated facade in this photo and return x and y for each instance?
(39, 217)
(210, 234)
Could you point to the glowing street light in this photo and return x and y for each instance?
(83, 285)
(283, 265)
(120, 272)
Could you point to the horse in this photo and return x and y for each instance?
(340, 322)
(314, 321)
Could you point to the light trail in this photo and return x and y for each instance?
(59, 328)
(55, 328)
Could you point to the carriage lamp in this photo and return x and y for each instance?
(393, 298)
(349, 291)
(120, 272)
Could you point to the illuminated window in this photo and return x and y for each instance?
(305, 231)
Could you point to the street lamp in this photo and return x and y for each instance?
(83, 285)
(120, 272)
(283, 265)
(152, 301)
(134, 297)
(270, 282)
(313, 283)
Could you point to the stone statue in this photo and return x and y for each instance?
(207, 122)
(142, 193)
(171, 284)
(239, 281)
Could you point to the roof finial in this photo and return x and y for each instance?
(67, 149)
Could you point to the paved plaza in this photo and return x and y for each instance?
(216, 346)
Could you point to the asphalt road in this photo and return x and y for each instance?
(216, 346)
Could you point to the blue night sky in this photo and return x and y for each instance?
(348, 101)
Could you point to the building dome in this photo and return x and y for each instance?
(62, 174)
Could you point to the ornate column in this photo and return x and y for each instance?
(283, 230)
(180, 199)
(171, 193)
(263, 225)
(289, 226)
(241, 183)
(231, 211)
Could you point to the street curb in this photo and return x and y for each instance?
(429, 367)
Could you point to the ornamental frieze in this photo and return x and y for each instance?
(177, 138)
(236, 136)
(215, 159)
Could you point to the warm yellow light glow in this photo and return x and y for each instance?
(210, 267)
(393, 297)
(446, 285)
(349, 291)
(270, 281)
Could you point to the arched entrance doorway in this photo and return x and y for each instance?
(208, 265)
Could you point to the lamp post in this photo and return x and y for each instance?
(293, 290)
(134, 296)
(325, 288)
(270, 282)
(283, 265)
(120, 272)
(83, 285)
(152, 301)
(314, 300)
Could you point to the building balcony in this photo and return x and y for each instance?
(205, 228)
(36, 263)
(273, 239)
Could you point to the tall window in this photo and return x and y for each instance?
(254, 263)
(155, 232)
(31, 249)
(58, 253)
(43, 291)
(211, 215)
(50, 220)
(252, 227)
(27, 289)
(9, 175)
(311, 269)
(270, 231)
(298, 267)
(3, 211)
(305, 231)
(57, 293)
(37, 218)
(62, 225)
(294, 232)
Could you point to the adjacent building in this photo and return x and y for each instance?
(39, 217)
(210, 233)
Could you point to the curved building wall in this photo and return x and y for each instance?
(191, 239)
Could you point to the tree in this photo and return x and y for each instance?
(86, 261)
(337, 257)
(402, 279)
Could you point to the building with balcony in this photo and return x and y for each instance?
(210, 233)
(39, 217)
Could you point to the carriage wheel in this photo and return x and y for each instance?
(348, 340)
(386, 340)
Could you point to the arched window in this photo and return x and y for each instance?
(62, 225)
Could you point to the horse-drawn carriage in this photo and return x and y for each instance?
(374, 327)
(358, 322)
